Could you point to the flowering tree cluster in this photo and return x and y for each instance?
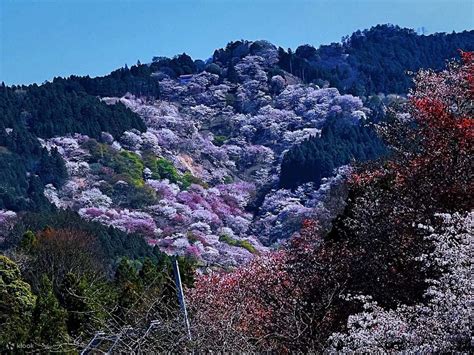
(442, 143)
(283, 211)
(201, 217)
(211, 150)
(123, 219)
(442, 323)
(181, 182)
(7, 219)
(387, 245)
(253, 308)
(208, 224)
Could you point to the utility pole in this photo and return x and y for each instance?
(179, 288)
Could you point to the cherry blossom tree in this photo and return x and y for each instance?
(439, 325)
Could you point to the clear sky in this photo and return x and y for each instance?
(40, 39)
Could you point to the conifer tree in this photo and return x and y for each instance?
(49, 317)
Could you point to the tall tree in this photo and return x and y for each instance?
(49, 318)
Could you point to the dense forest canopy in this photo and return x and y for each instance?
(52, 109)
(338, 144)
(377, 60)
(372, 61)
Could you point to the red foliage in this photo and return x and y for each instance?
(433, 161)
(468, 60)
(252, 301)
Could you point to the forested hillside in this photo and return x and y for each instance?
(369, 62)
(31, 112)
(338, 144)
(393, 273)
(375, 61)
(303, 193)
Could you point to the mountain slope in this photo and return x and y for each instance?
(193, 163)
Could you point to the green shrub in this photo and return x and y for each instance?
(237, 243)
(131, 165)
(188, 179)
(219, 140)
(127, 166)
(161, 168)
(228, 179)
(246, 245)
(166, 170)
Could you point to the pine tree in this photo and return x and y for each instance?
(75, 301)
(128, 285)
(49, 318)
(149, 274)
(232, 74)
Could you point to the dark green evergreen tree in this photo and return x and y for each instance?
(75, 300)
(49, 318)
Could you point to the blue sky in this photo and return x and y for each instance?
(42, 39)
